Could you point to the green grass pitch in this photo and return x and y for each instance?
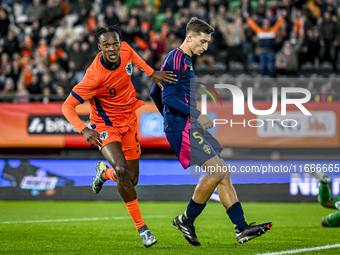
(105, 228)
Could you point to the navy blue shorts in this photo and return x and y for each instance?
(193, 146)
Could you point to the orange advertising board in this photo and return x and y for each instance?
(43, 125)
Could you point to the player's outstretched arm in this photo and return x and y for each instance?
(163, 76)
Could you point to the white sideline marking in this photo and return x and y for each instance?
(80, 219)
(303, 250)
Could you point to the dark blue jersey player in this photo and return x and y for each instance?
(177, 103)
(186, 130)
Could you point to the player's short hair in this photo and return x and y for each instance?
(109, 29)
(199, 26)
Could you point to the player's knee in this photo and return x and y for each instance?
(135, 180)
(122, 173)
(219, 175)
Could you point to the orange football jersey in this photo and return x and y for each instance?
(110, 91)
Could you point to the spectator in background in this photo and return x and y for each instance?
(8, 91)
(83, 8)
(148, 15)
(34, 86)
(75, 63)
(203, 14)
(64, 81)
(327, 36)
(121, 11)
(337, 42)
(46, 93)
(172, 42)
(85, 54)
(261, 9)
(5, 69)
(11, 44)
(169, 17)
(46, 82)
(35, 32)
(110, 16)
(15, 71)
(328, 6)
(60, 94)
(286, 60)
(179, 28)
(144, 36)
(35, 11)
(310, 47)
(266, 36)
(52, 13)
(92, 20)
(135, 14)
(65, 32)
(299, 23)
(130, 31)
(21, 94)
(234, 36)
(4, 22)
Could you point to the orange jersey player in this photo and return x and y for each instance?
(108, 87)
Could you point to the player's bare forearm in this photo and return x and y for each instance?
(163, 76)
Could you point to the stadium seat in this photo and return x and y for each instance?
(266, 85)
(219, 68)
(254, 69)
(236, 68)
(325, 69)
(202, 68)
(307, 69)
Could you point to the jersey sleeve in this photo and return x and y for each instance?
(79, 94)
(169, 98)
(69, 111)
(87, 88)
(138, 61)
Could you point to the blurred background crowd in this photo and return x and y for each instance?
(46, 46)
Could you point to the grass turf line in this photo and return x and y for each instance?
(295, 226)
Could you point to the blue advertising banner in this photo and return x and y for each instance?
(38, 176)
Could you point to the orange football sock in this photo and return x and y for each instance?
(133, 208)
(108, 174)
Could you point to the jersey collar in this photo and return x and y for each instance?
(111, 69)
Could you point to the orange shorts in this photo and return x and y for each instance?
(126, 135)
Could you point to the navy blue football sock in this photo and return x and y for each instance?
(235, 213)
(193, 210)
